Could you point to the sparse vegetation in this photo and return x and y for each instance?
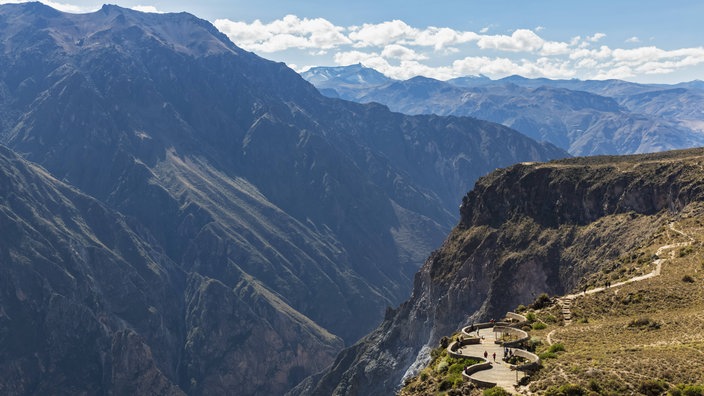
(687, 390)
(644, 323)
(442, 376)
(566, 390)
(652, 387)
(539, 326)
(542, 301)
(530, 317)
(641, 338)
(495, 391)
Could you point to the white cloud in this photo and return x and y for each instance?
(596, 37)
(616, 73)
(442, 38)
(282, 34)
(395, 51)
(382, 34)
(602, 53)
(147, 8)
(400, 50)
(555, 48)
(633, 39)
(484, 29)
(353, 57)
(522, 40)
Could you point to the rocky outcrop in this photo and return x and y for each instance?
(525, 230)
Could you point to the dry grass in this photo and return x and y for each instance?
(641, 333)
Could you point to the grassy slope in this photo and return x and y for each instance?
(640, 337)
(640, 333)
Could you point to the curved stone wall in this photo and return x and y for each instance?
(521, 336)
(533, 360)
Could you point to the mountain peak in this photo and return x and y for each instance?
(357, 75)
(182, 32)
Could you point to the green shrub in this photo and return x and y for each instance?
(687, 390)
(539, 326)
(594, 385)
(644, 323)
(566, 390)
(652, 387)
(533, 343)
(423, 376)
(445, 385)
(547, 355)
(557, 347)
(542, 301)
(685, 251)
(495, 391)
(530, 317)
(435, 353)
(442, 366)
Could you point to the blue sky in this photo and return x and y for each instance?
(644, 41)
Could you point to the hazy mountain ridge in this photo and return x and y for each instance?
(308, 216)
(582, 117)
(525, 230)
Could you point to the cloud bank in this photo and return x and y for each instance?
(400, 50)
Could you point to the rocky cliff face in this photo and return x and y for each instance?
(524, 230)
(78, 284)
(307, 215)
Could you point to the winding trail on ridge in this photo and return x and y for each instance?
(566, 301)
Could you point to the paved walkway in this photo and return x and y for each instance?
(500, 372)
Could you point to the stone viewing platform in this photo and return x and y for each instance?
(489, 343)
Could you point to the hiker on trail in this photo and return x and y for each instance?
(486, 354)
(585, 290)
(494, 356)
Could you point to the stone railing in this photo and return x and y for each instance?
(483, 364)
(467, 375)
(533, 360)
(516, 317)
(468, 331)
(455, 345)
(521, 336)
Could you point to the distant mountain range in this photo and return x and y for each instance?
(582, 117)
(182, 215)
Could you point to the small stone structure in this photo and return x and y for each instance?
(507, 328)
